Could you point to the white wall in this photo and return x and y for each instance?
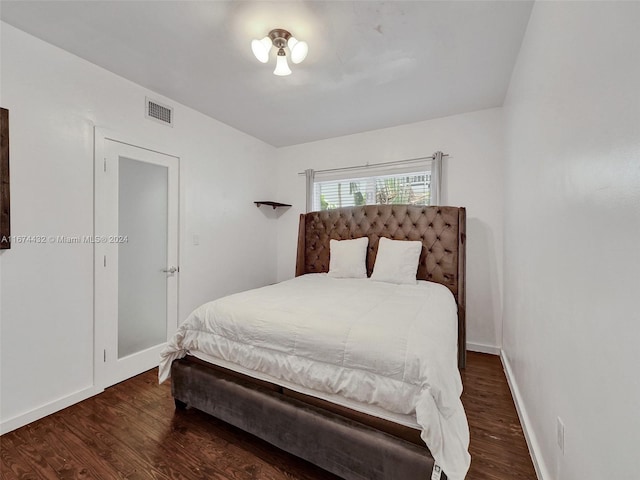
(572, 224)
(472, 178)
(55, 99)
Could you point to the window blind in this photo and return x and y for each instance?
(400, 185)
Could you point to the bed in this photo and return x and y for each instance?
(257, 368)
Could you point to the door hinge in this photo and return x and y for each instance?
(104, 355)
(105, 164)
(105, 260)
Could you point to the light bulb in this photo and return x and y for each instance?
(298, 49)
(261, 49)
(282, 67)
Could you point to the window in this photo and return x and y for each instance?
(411, 188)
(394, 183)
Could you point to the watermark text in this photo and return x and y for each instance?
(65, 239)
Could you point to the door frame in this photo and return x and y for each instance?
(102, 330)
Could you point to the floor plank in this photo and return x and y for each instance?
(131, 432)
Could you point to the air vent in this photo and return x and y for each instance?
(159, 112)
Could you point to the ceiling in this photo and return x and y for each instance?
(370, 65)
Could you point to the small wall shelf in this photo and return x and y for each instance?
(272, 204)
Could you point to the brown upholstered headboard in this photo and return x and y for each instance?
(442, 231)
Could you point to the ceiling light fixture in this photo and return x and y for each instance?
(280, 39)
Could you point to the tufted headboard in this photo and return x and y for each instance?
(440, 229)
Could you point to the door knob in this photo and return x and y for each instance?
(171, 270)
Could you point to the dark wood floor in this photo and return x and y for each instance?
(498, 448)
(131, 432)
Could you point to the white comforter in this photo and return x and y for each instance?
(392, 346)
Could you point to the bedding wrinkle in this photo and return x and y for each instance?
(389, 346)
(226, 341)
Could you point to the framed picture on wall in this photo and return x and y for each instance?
(5, 223)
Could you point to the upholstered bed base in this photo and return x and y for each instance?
(341, 446)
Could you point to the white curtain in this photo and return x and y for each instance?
(310, 176)
(436, 179)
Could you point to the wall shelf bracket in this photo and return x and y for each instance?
(272, 204)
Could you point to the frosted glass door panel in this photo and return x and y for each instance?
(142, 284)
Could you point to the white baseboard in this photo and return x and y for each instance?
(47, 409)
(540, 467)
(481, 348)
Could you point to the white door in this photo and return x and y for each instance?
(136, 258)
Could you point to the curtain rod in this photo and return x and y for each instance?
(384, 164)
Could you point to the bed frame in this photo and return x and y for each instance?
(349, 444)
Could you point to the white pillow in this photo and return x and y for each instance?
(348, 258)
(397, 261)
